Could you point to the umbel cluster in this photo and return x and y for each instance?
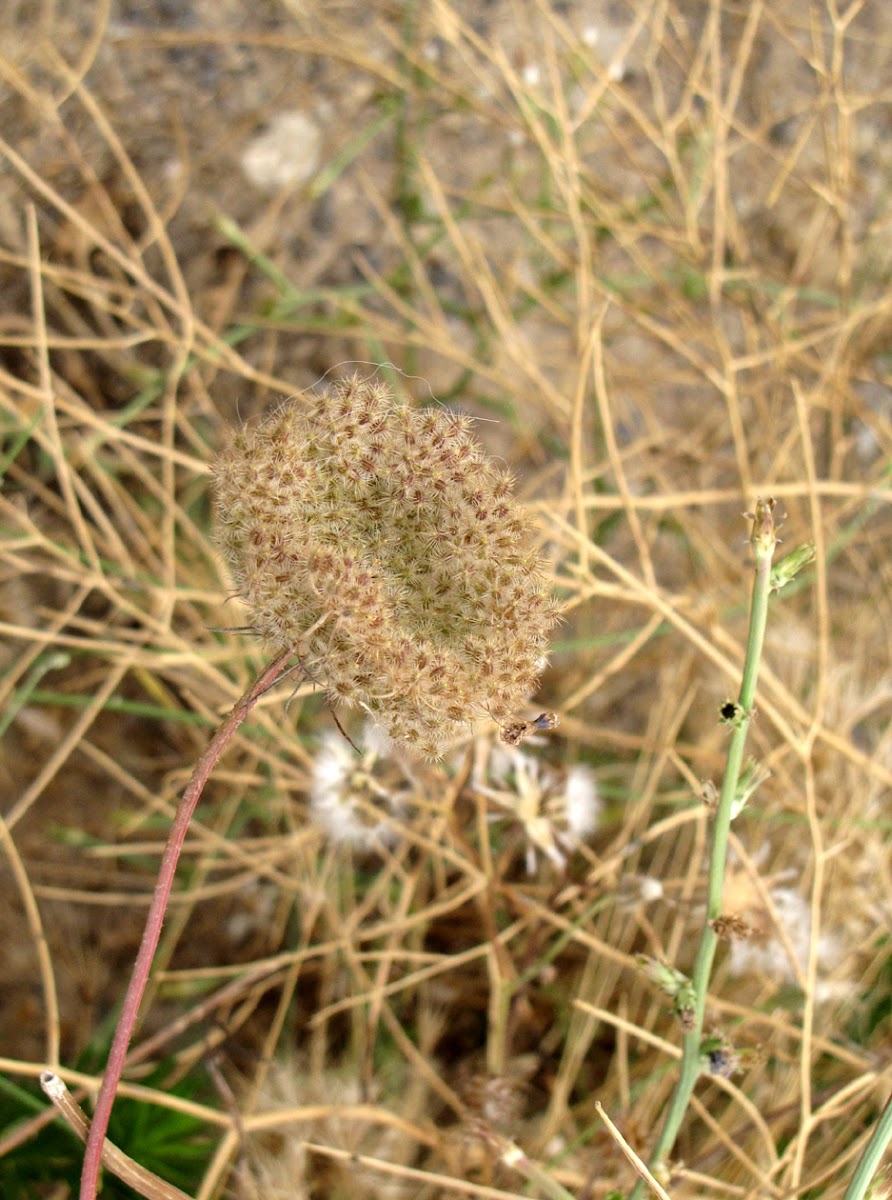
(382, 544)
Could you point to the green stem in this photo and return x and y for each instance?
(763, 542)
(873, 1153)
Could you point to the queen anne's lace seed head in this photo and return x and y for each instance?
(382, 545)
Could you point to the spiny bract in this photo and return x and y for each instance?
(383, 545)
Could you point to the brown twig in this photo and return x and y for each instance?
(155, 920)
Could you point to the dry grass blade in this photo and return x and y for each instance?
(125, 1168)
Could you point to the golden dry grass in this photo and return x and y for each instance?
(656, 265)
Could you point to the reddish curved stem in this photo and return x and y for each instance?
(155, 919)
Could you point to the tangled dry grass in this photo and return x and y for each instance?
(648, 249)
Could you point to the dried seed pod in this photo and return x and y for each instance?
(381, 543)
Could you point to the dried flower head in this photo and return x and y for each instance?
(384, 546)
(518, 731)
(359, 802)
(719, 1057)
(781, 953)
(496, 1100)
(558, 810)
